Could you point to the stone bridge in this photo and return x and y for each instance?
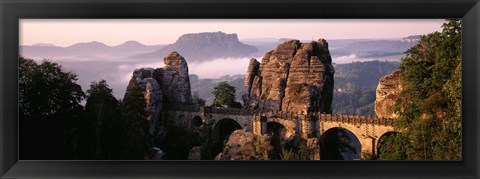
(368, 130)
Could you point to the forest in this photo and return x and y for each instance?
(55, 125)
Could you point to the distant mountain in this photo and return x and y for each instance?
(84, 49)
(87, 47)
(204, 46)
(131, 45)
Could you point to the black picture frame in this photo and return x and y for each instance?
(13, 10)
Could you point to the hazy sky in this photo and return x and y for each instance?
(66, 32)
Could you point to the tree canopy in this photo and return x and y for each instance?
(430, 104)
(134, 123)
(225, 95)
(46, 91)
(100, 123)
(49, 108)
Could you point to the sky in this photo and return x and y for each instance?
(66, 32)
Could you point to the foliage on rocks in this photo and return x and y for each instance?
(430, 104)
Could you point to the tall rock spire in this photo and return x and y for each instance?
(295, 77)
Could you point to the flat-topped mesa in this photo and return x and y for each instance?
(295, 77)
(208, 37)
(205, 46)
(169, 85)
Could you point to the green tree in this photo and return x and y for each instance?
(430, 104)
(49, 106)
(46, 91)
(100, 123)
(134, 123)
(225, 95)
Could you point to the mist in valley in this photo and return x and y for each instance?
(115, 64)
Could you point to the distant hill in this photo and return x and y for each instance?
(85, 49)
(373, 48)
(355, 85)
(204, 46)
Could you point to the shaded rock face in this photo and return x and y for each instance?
(153, 96)
(388, 90)
(102, 112)
(164, 86)
(240, 146)
(195, 153)
(175, 81)
(295, 77)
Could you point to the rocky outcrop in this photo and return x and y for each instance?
(388, 90)
(100, 114)
(313, 149)
(243, 145)
(156, 153)
(252, 72)
(195, 153)
(295, 77)
(164, 86)
(175, 81)
(205, 46)
(153, 96)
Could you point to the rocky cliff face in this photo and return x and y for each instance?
(153, 96)
(295, 77)
(175, 81)
(388, 89)
(163, 87)
(205, 46)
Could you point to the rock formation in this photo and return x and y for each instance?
(163, 87)
(242, 146)
(205, 46)
(153, 96)
(295, 77)
(195, 153)
(388, 89)
(101, 111)
(175, 81)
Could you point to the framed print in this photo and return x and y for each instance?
(245, 89)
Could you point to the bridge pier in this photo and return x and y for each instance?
(263, 121)
(257, 125)
(369, 147)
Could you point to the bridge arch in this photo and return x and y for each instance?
(197, 121)
(278, 138)
(338, 143)
(383, 142)
(221, 132)
(290, 126)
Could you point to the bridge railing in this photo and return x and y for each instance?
(228, 111)
(355, 119)
(285, 115)
(335, 118)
